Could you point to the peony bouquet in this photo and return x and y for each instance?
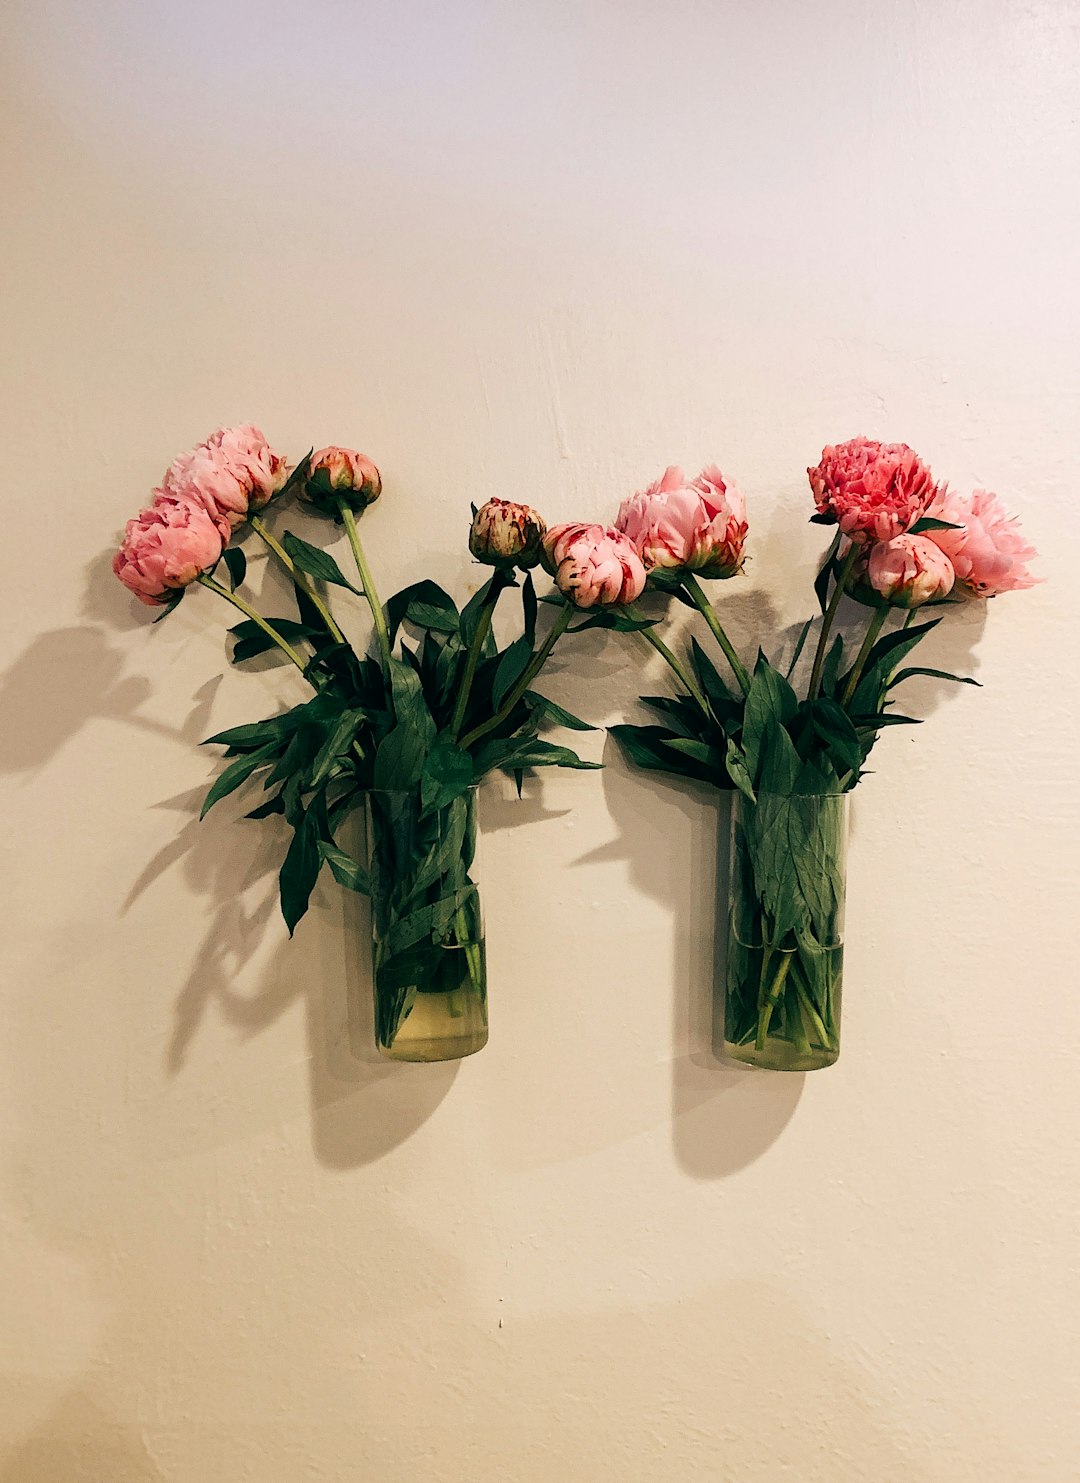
(405, 728)
(902, 542)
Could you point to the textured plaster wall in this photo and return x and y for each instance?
(533, 249)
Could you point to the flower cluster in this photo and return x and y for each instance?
(203, 497)
(208, 493)
(917, 540)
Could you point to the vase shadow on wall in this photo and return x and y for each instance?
(360, 1105)
(724, 1116)
(78, 1440)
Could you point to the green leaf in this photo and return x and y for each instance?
(700, 751)
(236, 562)
(738, 771)
(834, 727)
(799, 645)
(935, 674)
(716, 689)
(337, 744)
(345, 870)
(771, 701)
(830, 670)
(300, 869)
(429, 599)
(315, 562)
(173, 602)
(512, 665)
(448, 772)
(929, 522)
(549, 711)
(528, 607)
(297, 477)
(236, 773)
(780, 762)
(616, 620)
(523, 752)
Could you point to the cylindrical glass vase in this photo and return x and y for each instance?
(786, 930)
(430, 971)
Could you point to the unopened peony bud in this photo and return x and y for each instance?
(506, 534)
(594, 565)
(909, 570)
(341, 474)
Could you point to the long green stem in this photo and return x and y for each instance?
(697, 592)
(366, 582)
(255, 616)
(874, 627)
(532, 669)
(677, 668)
(300, 578)
(766, 1013)
(476, 648)
(830, 613)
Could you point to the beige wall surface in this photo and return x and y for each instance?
(534, 250)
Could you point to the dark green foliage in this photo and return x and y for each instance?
(368, 727)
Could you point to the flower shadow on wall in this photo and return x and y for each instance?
(69, 678)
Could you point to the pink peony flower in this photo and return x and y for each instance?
(234, 472)
(697, 525)
(341, 472)
(593, 565)
(506, 534)
(909, 570)
(989, 553)
(166, 547)
(874, 491)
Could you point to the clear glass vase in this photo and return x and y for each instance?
(786, 930)
(430, 971)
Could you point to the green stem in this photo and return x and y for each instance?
(532, 669)
(874, 627)
(816, 1021)
(697, 592)
(771, 1002)
(256, 617)
(830, 613)
(366, 582)
(677, 668)
(300, 578)
(476, 648)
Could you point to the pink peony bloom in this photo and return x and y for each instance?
(234, 472)
(166, 547)
(593, 565)
(696, 525)
(874, 491)
(989, 553)
(909, 570)
(506, 534)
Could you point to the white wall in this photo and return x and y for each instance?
(535, 249)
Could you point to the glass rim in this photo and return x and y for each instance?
(791, 797)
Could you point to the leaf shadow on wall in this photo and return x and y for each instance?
(79, 1440)
(361, 1105)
